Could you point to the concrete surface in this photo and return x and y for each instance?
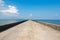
(30, 30)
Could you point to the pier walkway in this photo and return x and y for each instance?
(30, 30)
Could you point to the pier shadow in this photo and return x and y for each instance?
(7, 26)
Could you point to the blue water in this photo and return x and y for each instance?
(7, 21)
(50, 21)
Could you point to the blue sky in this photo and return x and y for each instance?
(37, 9)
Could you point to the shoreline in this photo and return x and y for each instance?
(7, 26)
(54, 26)
(30, 30)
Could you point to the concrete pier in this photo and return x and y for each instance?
(30, 30)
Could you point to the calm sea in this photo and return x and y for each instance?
(50, 21)
(8, 21)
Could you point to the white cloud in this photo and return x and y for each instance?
(8, 10)
(11, 9)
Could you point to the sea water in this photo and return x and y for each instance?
(50, 21)
(8, 21)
